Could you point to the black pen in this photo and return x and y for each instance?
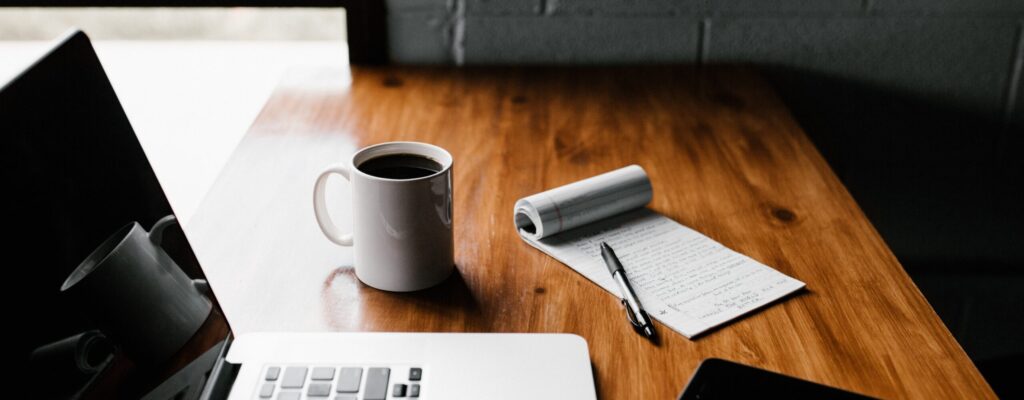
(634, 311)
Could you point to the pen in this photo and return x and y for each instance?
(634, 311)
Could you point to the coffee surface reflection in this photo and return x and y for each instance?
(400, 166)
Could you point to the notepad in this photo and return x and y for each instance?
(684, 279)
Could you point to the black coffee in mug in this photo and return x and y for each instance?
(400, 166)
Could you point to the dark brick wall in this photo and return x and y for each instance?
(965, 53)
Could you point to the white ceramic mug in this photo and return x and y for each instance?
(402, 228)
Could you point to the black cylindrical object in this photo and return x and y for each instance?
(65, 366)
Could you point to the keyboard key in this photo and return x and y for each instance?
(294, 377)
(414, 390)
(267, 390)
(345, 397)
(319, 390)
(322, 374)
(415, 374)
(377, 383)
(398, 391)
(272, 373)
(289, 396)
(348, 380)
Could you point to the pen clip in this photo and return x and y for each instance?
(630, 315)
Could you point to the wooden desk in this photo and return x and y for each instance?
(725, 158)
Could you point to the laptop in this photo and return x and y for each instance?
(74, 173)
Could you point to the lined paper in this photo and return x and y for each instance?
(684, 279)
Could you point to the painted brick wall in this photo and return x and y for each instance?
(966, 53)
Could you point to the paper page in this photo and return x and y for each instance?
(684, 279)
(579, 203)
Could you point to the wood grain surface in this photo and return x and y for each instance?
(723, 153)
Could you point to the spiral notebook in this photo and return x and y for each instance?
(684, 279)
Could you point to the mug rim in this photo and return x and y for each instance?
(446, 163)
(84, 268)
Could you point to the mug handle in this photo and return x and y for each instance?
(320, 205)
(156, 233)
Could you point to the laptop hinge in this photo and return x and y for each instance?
(218, 385)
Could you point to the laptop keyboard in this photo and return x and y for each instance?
(301, 382)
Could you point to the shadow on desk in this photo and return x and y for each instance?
(940, 184)
(429, 310)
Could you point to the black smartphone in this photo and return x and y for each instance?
(716, 378)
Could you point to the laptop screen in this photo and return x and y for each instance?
(104, 295)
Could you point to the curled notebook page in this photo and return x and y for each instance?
(580, 203)
(684, 279)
